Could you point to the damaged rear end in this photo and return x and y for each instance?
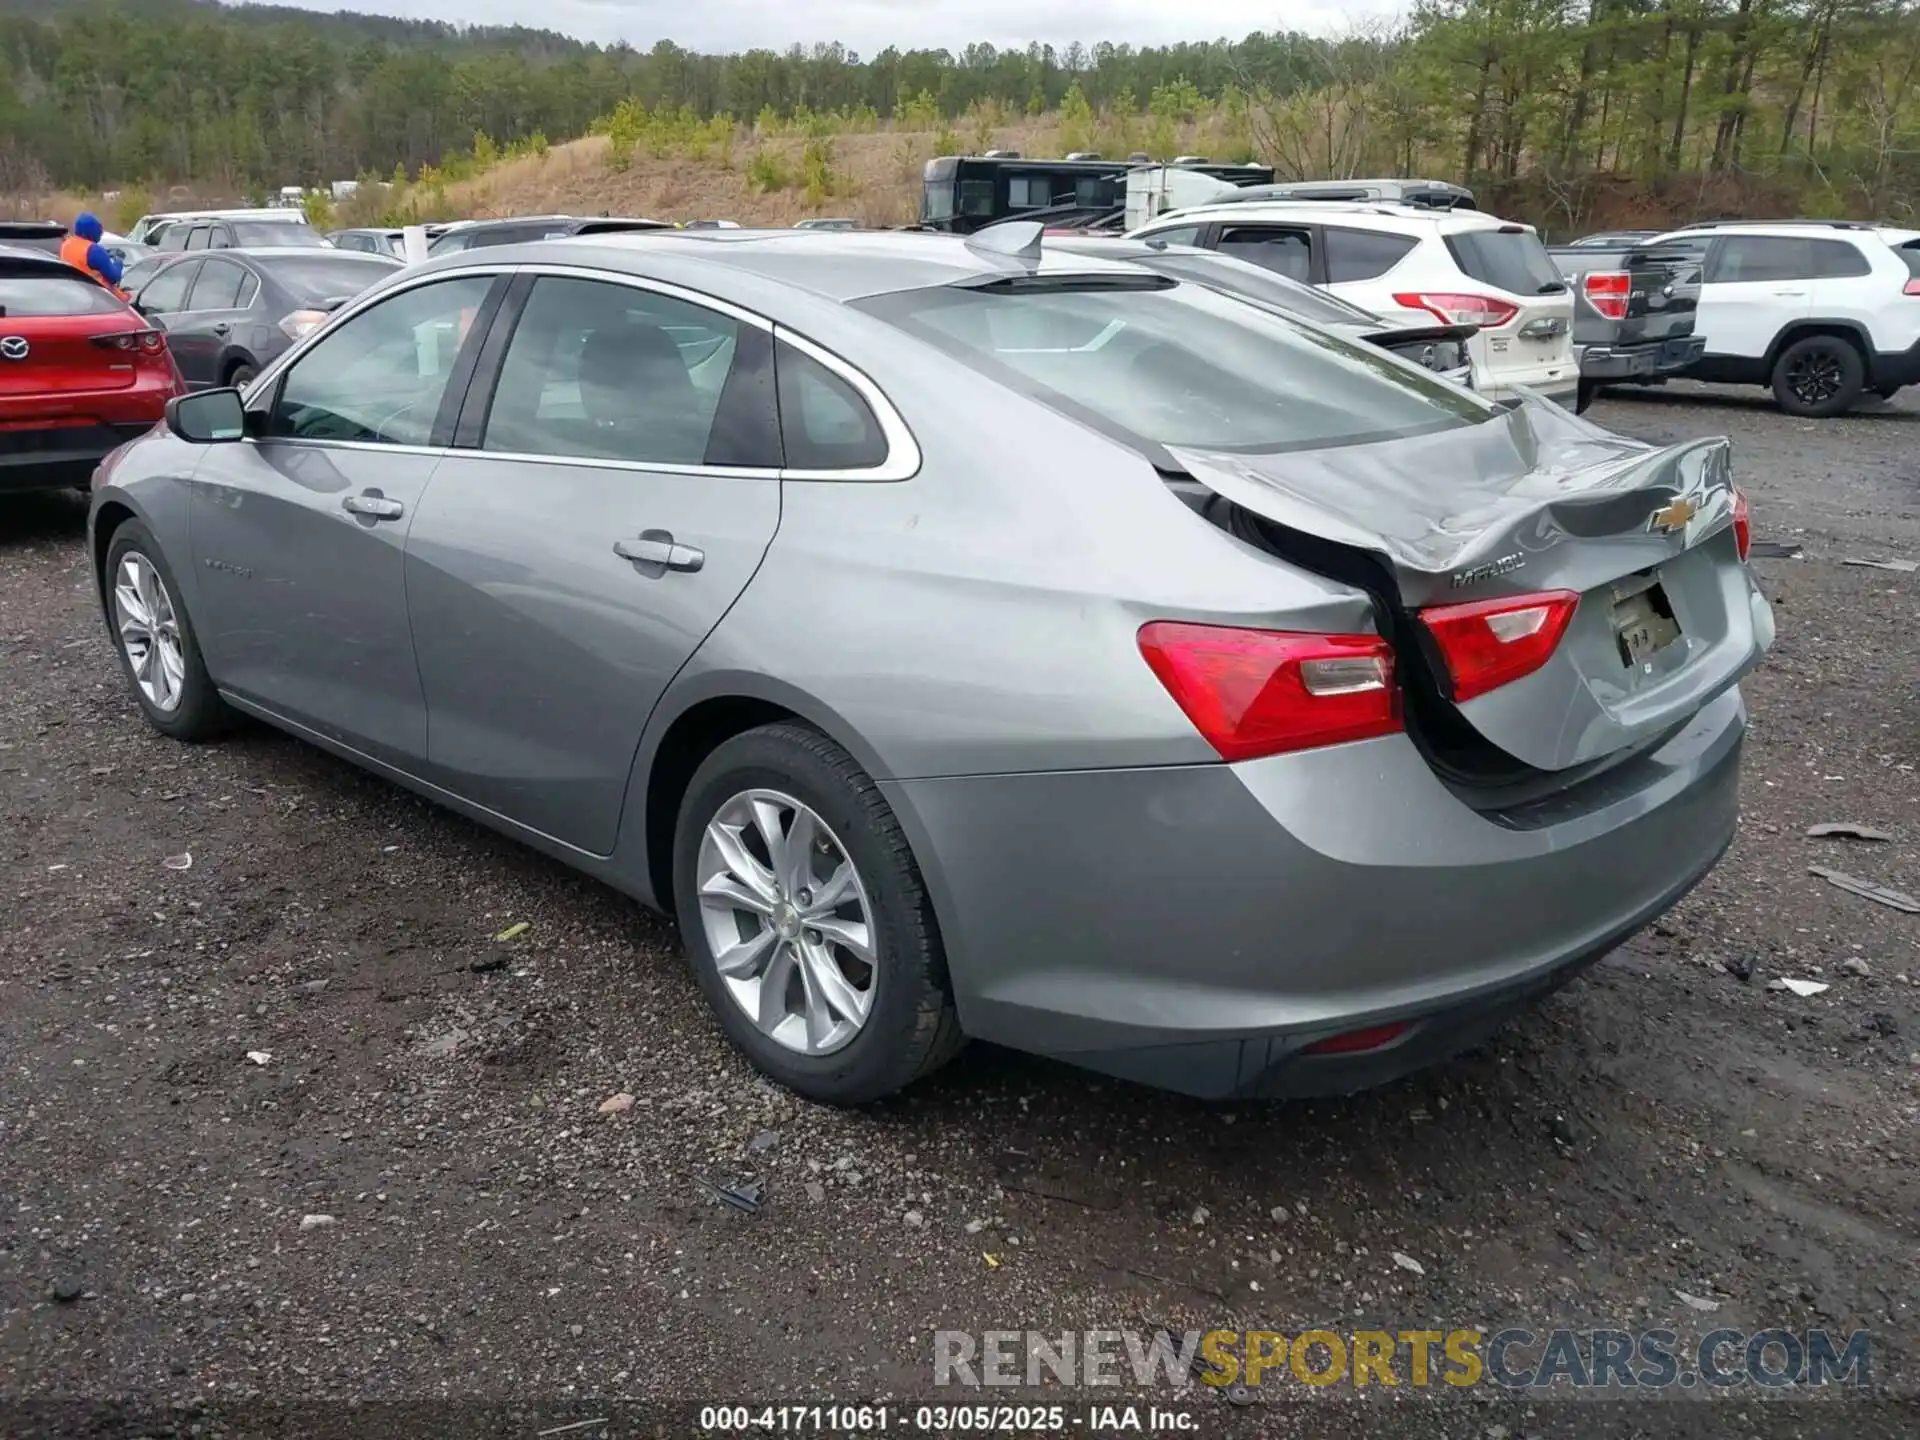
(1555, 598)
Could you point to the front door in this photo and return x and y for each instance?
(300, 532)
(199, 334)
(565, 567)
(1754, 287)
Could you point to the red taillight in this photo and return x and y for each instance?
(1607, 291)
(1374, 1037)
(1742, 524)
(142, 342)
(1912, 287)
(1490, 643)
(1265, 692)
(1452, 309)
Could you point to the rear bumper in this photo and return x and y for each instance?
(1895, 367)
(60, 456)
(1199, 927)
(1603, 363)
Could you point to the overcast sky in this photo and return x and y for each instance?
(869, 26)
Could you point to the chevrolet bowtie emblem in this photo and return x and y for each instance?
(1674, 516)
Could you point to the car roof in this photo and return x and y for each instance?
(752, 265)
(26, 254)
(257, 213)
(1379, 214)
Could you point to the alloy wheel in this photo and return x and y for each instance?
(788, 921)
(149, 630)
(1815, 377)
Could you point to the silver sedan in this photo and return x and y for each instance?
(966, 640)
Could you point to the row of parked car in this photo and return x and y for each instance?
(1108, 648)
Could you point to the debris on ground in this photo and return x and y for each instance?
(1407, 1262)
(513, 931)
(993, 1261)
(1805, 989)
(1867, 890)
(616, 1104)
(1900, 567)
(488, 964)
(1739, 966)
(1775, 550)
(65, 1292)
(317, 1222)
(1695, 1302)
(1854, 965)
(914, 1220)
(763, 1142)
(1847, 830)
(259, 1057)
(182, 861)
(747, 1194)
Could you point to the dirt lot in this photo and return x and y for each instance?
(1663, 1128)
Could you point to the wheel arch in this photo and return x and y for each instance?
(1851, 331)
(110, 512)
(705, 712)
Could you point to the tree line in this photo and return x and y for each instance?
(1814, 98)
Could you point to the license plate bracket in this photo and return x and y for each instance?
(1643, 624)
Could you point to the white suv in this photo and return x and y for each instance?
(1409, 265)
(1820, 310)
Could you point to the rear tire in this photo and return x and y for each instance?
(907, 1025)
(1819, 377)
(159, 652)
(241, 376)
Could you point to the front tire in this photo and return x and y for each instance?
(159, 652)
(806, 920)
(1818, 377)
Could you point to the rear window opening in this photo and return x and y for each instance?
(1155, 364)
(26, 294)
(1510, 258)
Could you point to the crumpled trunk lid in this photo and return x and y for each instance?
(1536, 500)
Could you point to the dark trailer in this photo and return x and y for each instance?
(964, 193)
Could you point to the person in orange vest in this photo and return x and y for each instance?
(83, 250)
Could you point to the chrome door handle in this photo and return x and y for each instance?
(656, 547)
(374, 507)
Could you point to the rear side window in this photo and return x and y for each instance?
(1910, 252)
(166, 294)
(1836, 260)
(1175, 235)
(269, 233)
(1363, 254)
(1285, 252)
(1510, 259)
(1752, 259)
(824, 422)
(218, 287)
(28, 293)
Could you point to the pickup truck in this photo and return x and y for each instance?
(1633, 312)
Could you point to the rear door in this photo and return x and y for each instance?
(613, 488)
(1755, 286)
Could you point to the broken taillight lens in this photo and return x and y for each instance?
(1490, 643)
(1742, 524)
(1486, 311)
(1608, 291)
(1265, 692)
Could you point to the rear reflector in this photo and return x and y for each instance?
(1266, 692)
(1607, 291)
(1374, 1037)
(1455, 309)
(1742, 524)
(1490, 643)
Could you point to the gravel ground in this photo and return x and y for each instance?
(1663, 1127)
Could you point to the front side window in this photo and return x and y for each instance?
(199, 237)
(379, 378)
(608, 372)
(1285, 252)
(976, 197)
(166, 293)
(1156, 364)
(939, 201)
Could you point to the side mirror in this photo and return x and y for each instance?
(207, 417)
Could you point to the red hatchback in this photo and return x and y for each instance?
(80, 372)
